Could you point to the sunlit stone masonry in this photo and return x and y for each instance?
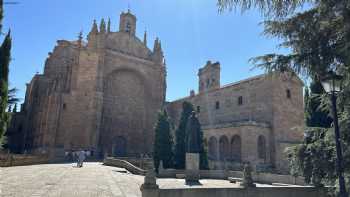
(103, 95)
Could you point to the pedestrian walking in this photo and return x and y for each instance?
(81, 158)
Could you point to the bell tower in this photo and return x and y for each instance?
(209, 77)
(127, 23)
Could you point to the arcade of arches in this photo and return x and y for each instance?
(230, 149)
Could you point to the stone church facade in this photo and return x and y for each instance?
(104, 96)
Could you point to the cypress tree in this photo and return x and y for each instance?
(15, 108)
(4, 71)
(163, 144)
(1, 14)
(194, 125)
(180, 135)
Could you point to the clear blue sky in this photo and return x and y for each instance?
(191, 31)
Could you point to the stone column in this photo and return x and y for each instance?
(192, 168)
(150, 188)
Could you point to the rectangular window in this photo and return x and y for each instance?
(240, 100)
(288, 94)
(217, 105)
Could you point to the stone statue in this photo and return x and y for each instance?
(193, 138)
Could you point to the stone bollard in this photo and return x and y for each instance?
(247, 177)
(160, 168)
(150, 188)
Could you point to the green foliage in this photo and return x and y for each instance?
(163, 143)
(1, 13)
(315, 159)
(15, 108)
(12, 99)
(316, 116)
(5, 49)
(319, 41)
(276, 8)
(180, 136)
(203, 157)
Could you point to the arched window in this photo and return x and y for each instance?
(236, 148)
(213, 148)
(224, 148)
(261, 147)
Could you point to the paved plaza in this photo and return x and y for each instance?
(65, 180)
(94, 179)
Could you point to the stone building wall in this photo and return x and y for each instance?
(91, 95)
(104, 94)
(266, 108)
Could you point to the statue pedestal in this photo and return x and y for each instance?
(192, 168)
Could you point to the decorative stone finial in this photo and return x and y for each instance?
(80, 38)
(94, 29)
(145, 38)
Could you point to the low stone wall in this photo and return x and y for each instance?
(8, 160)
(238, 192)
(143, 163)
(223, 174)
(110, 161)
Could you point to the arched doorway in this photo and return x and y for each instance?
(119, 147)
(236, 148)
(213, 147)
(223, 148)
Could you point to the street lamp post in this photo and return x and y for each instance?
(332, 85)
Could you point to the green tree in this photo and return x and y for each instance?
(319, 37)
(180, 136)
(193, 125)
(317, 117)
(12, 99)
(5, 49)
(203, 164)
(1, 13)
(319, 40)
(5, 56)
(163, 144)
(15, 108)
